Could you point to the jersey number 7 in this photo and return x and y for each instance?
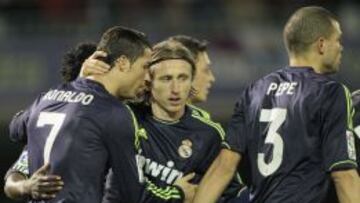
(275, 117)
(56, 120)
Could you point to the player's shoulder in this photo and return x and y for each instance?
(140, 109)
(332, 87)
(316, 82)
(330, 83)
(289, 73)
(115, 118)
(259, 84)
(201, 120)
(94, 95)
(199, 111)
(101, 107)
(119, 110)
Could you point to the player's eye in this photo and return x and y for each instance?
(183, 77)
(165, 78)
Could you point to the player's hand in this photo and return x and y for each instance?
(188, 188)
(94, 66)
(41, 186)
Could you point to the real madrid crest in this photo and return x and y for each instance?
(185, 150)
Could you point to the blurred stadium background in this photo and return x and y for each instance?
(245, 42)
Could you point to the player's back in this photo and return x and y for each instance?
(66, 128)
(293, 121)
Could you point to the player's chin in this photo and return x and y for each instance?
(203, 96)
(140, 94)
(174, 108)
(336, 67)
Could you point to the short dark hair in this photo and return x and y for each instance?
(73, 60)
(305, 26)
(195, 46)
(118, 41)
(168, 50)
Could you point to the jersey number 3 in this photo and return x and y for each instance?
(54, 119)
(275, 117)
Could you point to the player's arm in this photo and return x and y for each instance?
(218, 176)
(181, 191)
(17, 127)
(338, 145)
(347, 185)
(224, 166)
(38, 186)
(13, 187)
(214, 147)
(15, 176)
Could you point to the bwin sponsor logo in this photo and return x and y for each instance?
(166, 173)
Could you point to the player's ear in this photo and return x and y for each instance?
(123, 63)
(321, 45)
(193, 92)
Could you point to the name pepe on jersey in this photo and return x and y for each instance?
(68, 96)
(287, 88)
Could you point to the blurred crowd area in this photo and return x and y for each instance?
(245, 39)
(245, 42)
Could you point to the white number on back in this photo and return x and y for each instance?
(54, 119)
(276, 118)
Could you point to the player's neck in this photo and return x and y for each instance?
(194, 100)
(109, 87)
(305, 61)
(161, 113)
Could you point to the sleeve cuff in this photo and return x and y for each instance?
(343, 165)
(225, 145)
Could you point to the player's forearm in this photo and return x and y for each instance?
(347, 185)
(216, 178)
(15, 186)
(213, 185)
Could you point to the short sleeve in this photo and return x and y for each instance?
(236, 135)
(338, 147)
(17, 127)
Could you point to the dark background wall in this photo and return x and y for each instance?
(245, 42)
